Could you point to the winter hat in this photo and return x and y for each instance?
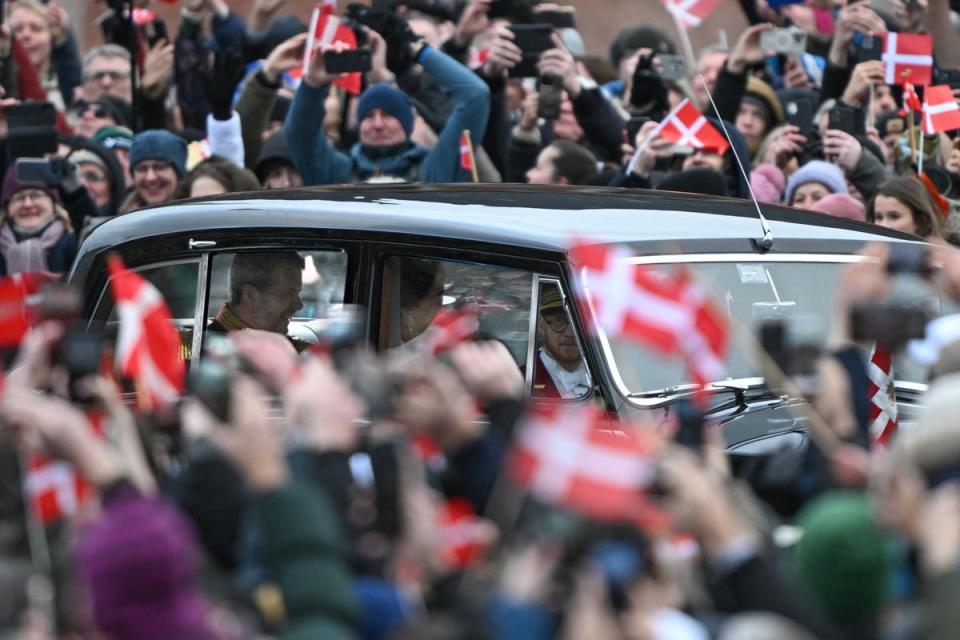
(393, 101)
(767, 182)
(114, 137)
(841, 205)
(701, 180)
(842, 557)
(758, 90)
(159, 144)
(86, 156)
(274, 151)
(829, 175)
(11, 185)
(139, 564)
(640, 38)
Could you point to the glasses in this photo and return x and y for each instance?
(96, 112)
(92, 176)
(557, 321)
(35, 195)
(97, 76)
(144, 168)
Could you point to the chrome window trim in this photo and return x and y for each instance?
(200, 312)
(144, 267)
(532, 332)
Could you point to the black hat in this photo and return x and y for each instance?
(640, 38)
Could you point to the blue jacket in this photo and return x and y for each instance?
(319, 163)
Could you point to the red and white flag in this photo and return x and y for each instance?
(54, 490)
(451, 327)
(690, 13)
(882, 397)
(576, 457)
(326, 29)
(464, 537)
(911, 101)
(18, 304)
(908, 57)
(466, 151)
(687, 126)
(940, 110)
(148, 344)
(667, 312)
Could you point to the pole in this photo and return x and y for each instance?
(40, 591)
(474, 176)
(685, 41)
(920, 154)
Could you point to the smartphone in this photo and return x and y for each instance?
(870, 47)
(691, 424)
(842, 118)
(800, 110)
(532, 39)
(785, 41)
(32, 130)
(38, 171)
(352, 60)
(551, 96)
(908, 258)
(672, 67)
(80, 352)
(153, 32)
(559, 19)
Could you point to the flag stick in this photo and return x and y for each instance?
(684, 41)
(40, 592)
(871, 97)
(920, 155)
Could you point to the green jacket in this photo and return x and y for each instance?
(254, 106)
(306, 557)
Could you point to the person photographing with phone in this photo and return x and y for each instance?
(386, 118)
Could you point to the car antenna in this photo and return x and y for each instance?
(766, 242)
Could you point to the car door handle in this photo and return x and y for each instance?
(201, 244)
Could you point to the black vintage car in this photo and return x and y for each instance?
(502, 247)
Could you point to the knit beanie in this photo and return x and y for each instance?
(393, 101)
(640, 38)
(159, 144)
(841, 205)
(767, 182)
(829, 175)
(842, 557)
(114, 137)
(701, 180)
(11, 185)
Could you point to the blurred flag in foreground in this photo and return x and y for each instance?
(690, 13)
(451, 327)
(579, 458)
(881, 396)
(148, 345)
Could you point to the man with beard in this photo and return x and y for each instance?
(559, 371)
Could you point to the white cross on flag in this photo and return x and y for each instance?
(148, 345)
(667, 312)
(908, 57)
(940, 110)
(575, 457)
(690, 13)
(451, 327)
(326, 29)
(881, 395)
(687, 126)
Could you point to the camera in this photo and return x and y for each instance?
(785, 41)
(648, 93)
(551, 96)
(890, 323)
(795, 359)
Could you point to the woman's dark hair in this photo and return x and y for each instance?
(417, 276)
(232, 177)
(912, 193)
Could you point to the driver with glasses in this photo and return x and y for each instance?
(560, 371)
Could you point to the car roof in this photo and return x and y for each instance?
(533, 216)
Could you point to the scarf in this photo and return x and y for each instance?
(25, 253)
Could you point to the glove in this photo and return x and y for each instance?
(648, 95)
(228, 69)
(394, 30)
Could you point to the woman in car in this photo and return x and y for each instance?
(904, 204)
(35, 231)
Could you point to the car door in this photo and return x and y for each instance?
(411, 284)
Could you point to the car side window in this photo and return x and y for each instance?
(559, 369)
(285, 291)
(415, 289)
(177, 282)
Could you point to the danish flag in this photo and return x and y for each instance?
(576, 457)
(451, 327)
(686, 125)
(667, 312)
(690, 13)
(908, 56)
(940, 110)
(911, 101)
(326, 30)
(148, 345)
(53, 488)
(464, 537)
(881, 394)
(466, 151)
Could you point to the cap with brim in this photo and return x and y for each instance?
(551, 301)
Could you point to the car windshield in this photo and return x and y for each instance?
(751, 292)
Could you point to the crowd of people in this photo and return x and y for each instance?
(289, 500)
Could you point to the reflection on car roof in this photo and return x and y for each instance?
(531, 216)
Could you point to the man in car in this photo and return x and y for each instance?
(559, 371)
(264, 293)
